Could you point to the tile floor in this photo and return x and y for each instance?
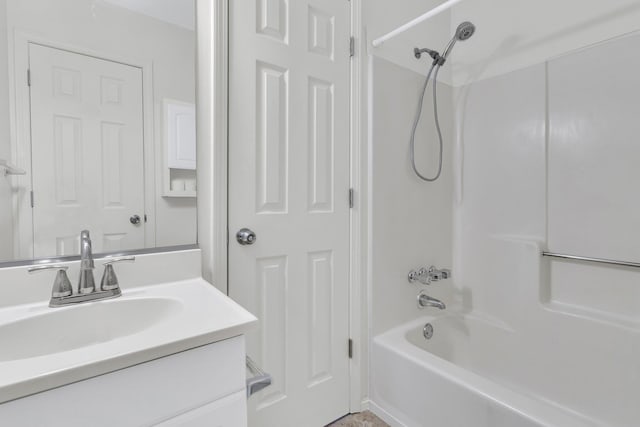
(363, 419)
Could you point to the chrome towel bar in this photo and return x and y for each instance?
(258, 380)
(595, 260)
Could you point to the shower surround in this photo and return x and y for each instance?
(544, 158)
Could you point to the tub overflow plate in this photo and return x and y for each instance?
(427, 331)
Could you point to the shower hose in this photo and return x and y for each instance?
(433, 70)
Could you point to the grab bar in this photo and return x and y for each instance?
(259, 379)
(594, 260)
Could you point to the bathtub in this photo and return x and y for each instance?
(461, 377)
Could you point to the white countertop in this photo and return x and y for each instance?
(199, 314)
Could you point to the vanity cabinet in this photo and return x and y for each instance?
(204, 386)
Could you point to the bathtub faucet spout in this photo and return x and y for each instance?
(425, 300)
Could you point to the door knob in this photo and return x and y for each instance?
(244, 236)
(135, 219)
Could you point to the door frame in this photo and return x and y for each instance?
(212, 174)
(20, 130)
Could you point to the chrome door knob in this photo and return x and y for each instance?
(244, 236)
(135, 219)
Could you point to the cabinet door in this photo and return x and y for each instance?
(143, 394)
(230, 411)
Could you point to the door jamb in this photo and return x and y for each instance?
(358, 220)
(211, 117)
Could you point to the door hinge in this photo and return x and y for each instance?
(350, 348)
(352, 47)
(351, 198)
(32, 204)
(28, 77)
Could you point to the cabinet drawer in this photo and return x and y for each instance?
(139, 395)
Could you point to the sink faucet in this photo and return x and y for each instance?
(425, 300)
(62, 292)
(86, 283)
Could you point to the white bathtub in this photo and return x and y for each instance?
(461, 377)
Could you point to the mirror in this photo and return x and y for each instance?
(97, 126)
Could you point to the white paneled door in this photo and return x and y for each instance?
(87, 152)
(289, 184)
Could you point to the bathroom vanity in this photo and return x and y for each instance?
(169, 351)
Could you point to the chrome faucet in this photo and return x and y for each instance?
(86, 282)
(428, 275)
(62, 292)
(425, 300)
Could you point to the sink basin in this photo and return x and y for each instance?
(64, 329)
(42, 348)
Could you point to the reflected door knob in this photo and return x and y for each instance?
(135, 219)
(244, 236)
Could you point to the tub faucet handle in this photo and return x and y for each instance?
(428, 275)
(420, 275)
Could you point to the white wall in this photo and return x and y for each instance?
(513, 34)
(549, 160)
(6, 216)
(115, 32)
(411, 220)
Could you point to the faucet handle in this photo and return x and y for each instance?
(61, 285)
(109, 279)
(113, 260)
(421, 275)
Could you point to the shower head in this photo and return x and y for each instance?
(463, 32)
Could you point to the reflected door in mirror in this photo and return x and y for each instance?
(87, 145)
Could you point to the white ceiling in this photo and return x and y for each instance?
(177, 12)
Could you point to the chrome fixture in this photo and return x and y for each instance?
(86, 282)
(244, 236)
(258, 380)
(463, 32)
(427, 331)
(9, 169)
(428, 275)
(61, 285)
(62, 292)
(425, 300)
(109, 280)
(594, 260)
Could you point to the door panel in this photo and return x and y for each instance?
(289, 182)
(87, 140)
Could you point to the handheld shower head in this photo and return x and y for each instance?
(463, 32)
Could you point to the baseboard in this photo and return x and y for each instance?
(384, 415)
